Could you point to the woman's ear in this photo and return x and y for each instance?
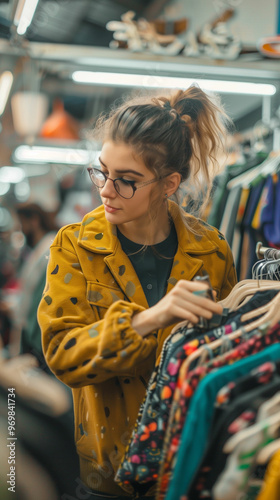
(171, 184)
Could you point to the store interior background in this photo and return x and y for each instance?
(67, 35)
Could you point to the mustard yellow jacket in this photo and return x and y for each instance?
(91, 293)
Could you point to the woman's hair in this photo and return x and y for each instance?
(182, 132)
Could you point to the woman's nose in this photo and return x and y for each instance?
(108, 190)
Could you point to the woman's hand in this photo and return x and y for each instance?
(181, 303)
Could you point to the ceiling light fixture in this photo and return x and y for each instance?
(11, 175)
(24, 15)
(49, 154)
(6, 82)
(157, 81)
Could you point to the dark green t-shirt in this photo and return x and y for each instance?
(153, 264)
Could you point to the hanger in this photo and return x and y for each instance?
(272, 423)
(270, 315)
(203, 352)
(266, 168)
(261, 269)
(241, 449)
(269, 319)
(266, 453)
(247, 288)
(269, 407)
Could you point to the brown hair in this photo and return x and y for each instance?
(181, 132)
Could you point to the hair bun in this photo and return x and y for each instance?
(188, 123)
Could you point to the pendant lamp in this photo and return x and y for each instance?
(60, 124)
(29, 110)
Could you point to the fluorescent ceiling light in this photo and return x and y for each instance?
(11, 175)
(24, 15)
(48, 154)
(6, 81)
(4, 188)
(156, 81)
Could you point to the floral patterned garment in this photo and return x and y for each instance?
(143, 454)
(185, 389)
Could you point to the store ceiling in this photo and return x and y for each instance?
(79, 22)
(83, 23)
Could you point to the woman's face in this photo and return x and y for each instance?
(118, 160)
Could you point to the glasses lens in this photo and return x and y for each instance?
(124, 188)
(97, 177)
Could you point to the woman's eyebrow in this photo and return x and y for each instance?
(128, 171)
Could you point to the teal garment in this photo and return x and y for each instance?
(201, 411)
(153, 264)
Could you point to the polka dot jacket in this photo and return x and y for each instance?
(91, 294)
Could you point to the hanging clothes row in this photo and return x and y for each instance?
(204, 422)
(246, 207)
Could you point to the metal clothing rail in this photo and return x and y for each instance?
(267, 252)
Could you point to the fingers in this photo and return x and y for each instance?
(214, 293)
(185, 302)
(191, 315)
(190, 292)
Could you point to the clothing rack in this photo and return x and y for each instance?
(267, 252)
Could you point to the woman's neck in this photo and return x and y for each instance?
(147, 234)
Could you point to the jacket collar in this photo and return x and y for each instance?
(100, 236)
(97, 234)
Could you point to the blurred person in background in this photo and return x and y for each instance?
(45, 430)
(39, 228)
(9, 261)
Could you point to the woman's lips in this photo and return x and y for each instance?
(109, 209)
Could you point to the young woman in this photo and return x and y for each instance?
(119, 281)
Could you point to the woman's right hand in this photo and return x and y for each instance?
(183, 302)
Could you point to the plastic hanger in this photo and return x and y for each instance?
(203, 352)
(242, 449)
(270, 315)
(269, 407)
(272, 423)
(267, 167)
(245, 289)
(270, 318)
(266, 453)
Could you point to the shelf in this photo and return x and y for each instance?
(67, 57)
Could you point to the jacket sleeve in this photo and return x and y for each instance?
(230, 277)
(80, 348)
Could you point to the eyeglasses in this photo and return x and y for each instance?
(126, 189)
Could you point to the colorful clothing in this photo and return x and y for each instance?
(142, 459)
(261, 375)
(185, 389)
(143, 454)
(237, 415)
(240, 461)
